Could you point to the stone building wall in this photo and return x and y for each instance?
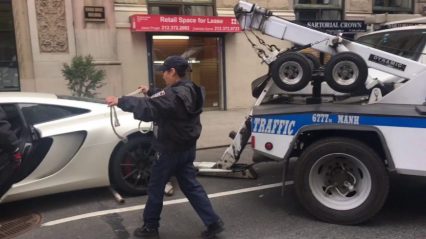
(51, 32)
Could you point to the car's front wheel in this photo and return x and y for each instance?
(130, 166)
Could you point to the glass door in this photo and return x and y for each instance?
(9, 78)
(203, 54)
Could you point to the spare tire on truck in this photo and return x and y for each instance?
(291, 71)
(346, 72)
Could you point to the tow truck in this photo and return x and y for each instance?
(345, 145)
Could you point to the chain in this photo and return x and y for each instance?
(260, 52)
(271, 48)
(251, 42)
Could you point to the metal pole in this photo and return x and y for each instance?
(117, 196)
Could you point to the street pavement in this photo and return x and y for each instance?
(247, 210)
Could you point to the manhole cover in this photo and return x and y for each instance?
(10, 228)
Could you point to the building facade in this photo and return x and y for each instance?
(38, 36)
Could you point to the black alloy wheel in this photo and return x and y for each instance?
(130, 167)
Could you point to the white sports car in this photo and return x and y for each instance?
(71, 145)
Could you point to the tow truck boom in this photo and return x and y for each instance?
(253, 17)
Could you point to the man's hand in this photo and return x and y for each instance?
(144, 89)
(111, 100)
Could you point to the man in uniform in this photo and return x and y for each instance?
(175, 111)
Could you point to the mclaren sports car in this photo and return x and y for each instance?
(69, 144)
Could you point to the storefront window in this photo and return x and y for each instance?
(203, 54)
(9, 78)
(195, 10)
(318, 10)
(182, 7)
(336, 3)
(165, 10)
(393, 6)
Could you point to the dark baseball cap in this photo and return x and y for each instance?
(177, 62)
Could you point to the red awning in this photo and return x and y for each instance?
(173, 23)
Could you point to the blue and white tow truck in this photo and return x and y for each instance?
(345, 145)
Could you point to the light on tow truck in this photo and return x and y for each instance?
(269, 146)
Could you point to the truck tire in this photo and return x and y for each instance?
(291, 71)
(346, 72)
(341, 180)
(130, 166)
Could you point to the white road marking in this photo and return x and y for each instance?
(170, 202)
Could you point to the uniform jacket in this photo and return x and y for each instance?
(175, 111)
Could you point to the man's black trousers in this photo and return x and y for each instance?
(180, 165)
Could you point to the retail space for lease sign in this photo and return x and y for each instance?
(173, 23)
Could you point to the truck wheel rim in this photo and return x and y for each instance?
(340, 181)
(345, 73)
(290, 72)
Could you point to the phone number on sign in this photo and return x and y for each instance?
(175, 28)
(226, 28)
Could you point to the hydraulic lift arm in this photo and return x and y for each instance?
(252, 17)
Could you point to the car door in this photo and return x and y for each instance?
(28, 137)
(61, 138)
(44, 154)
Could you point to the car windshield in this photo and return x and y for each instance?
(408, 44)
(85, 99)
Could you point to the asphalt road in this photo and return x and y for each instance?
(247, 210)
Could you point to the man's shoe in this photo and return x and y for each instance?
(213, 230)
(146, 232)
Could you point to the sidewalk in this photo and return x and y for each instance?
(218, 124)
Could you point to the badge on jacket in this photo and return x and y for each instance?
(158, 94)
